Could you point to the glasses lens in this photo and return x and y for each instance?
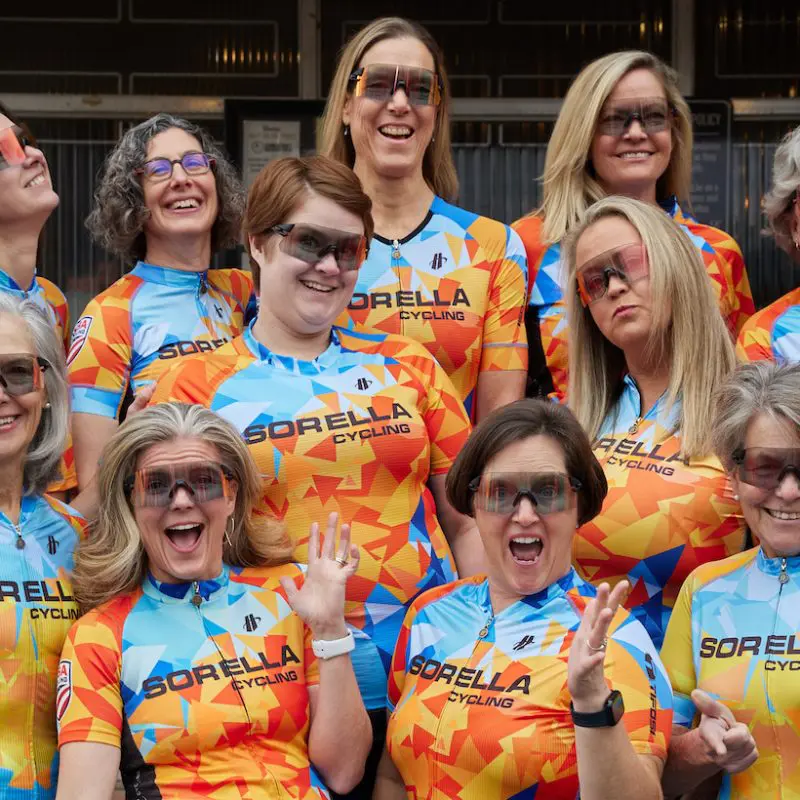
(499, 493)
(350, 252)
(377, 82)
(381, 81)
(304, 242)
(196, 163)
(158, 169)
(420, 85)
(653, 115)
(12, 152)
(20, 375)
(206, 481)
(156, 486)
(628, 263)
(765, 467)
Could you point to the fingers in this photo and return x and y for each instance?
(618, 595)
(738, 738)
(707, 705)
(344, 543)
(313, 543)
(352, 561)
(291, 590)
(142, 398)
(329, 542)
(711, 732)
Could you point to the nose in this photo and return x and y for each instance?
(399, 101)
(616, 286)
(789, 488)
(328, 265)
(525, 512)
(181, 498)
(179, 174)
(635, 130)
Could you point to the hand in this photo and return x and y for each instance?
(320, 602)
(587, 654)
(728, 743)
(141, 399)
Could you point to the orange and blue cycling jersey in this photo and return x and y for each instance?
(547, 276)
(662, 516)
(480, 700)
(773, 333)
(359, 430)
(204, 688)
(36, 611)
(135, 330)
(458, 285)
(735, 633)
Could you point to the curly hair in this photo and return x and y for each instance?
(117, 220)
(785, 185)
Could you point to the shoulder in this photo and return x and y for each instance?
(766, 317)
(111, 616)
(268, 578)
(465, 589)
(491, 233)
(120, 292)
(721, 242)
(68, 514)
(386, 345)
(196, 378)
(231, 279)
(53, 294)
(706, 575)
(529, 229)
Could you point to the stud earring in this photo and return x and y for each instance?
(346, 130)
(736, 497)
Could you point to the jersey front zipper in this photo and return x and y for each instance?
(783, 579)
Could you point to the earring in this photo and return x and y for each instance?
(736, 497)
(229, 532)
(47, 406)
(346, 130)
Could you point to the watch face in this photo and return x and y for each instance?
(616, 705)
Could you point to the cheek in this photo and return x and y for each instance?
(148, 523)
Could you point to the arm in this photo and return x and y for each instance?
(460, 531)
(388, 783)
(80, 759)
(335, 704)
(497, 389)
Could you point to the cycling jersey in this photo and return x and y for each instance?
(358, 430)
(203, 686)
(457, 284)
(36, 611)
(774, 332)
(662, 516)
(50, 299)
(480, 700)
(735, 633)
(136, 329)
(547, 275)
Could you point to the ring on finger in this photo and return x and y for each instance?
(341, 561)
(600, 649)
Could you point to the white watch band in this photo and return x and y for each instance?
(330, 648)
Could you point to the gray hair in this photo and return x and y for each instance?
(785, 184)
(117, 220)
(47, 445)
(762, 387)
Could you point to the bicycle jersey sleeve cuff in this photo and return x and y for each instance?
(86, 733)
(683, 710)
(91, 400)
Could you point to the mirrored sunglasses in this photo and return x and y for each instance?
(311, 243)
(500, 492)
(156, 486)
(381, 81)
(766, 467)
(160, 169)
(21, 373)
(654, 115)
(628, 263)
(13, 142)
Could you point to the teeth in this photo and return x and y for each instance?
(187, 527)
(189, 203)
(37, 181)
(395, 130)
(6, 420)
(318, 286)
(635, 156)
(527, 540)
(786, 515)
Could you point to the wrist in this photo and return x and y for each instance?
(591, 704)
(329, 631)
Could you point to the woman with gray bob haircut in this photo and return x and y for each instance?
(774, 332)
(167, 200)
(38, 535)
(731, 649)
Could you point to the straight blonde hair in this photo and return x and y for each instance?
(438, 168)
(568, 181)
(113, 561)
(688, 332)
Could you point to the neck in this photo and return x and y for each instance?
(644, 192)
(500, 597)
(281, 340)
(11, 490)
(651, 378)
(398, 204)
(18, 250)
(192, 255)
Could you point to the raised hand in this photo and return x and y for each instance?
(320, 601)
(141, 399)
(587, 654)
(728, 743)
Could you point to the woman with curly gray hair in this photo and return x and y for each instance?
(167, 200)
(774, 332)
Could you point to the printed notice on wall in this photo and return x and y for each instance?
(711, 164)
(265, 140)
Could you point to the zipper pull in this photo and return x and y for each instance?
(396, 251)
(203, 284)
(784, 576)
(198, 598)
(635, 427)
(20, 543)
(484, 631)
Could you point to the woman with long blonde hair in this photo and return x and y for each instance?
(446, 277)
(206, 658)
(649, 348)
(623, 129)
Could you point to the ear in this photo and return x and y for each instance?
(233, 494)
(346, 111)
(257, 242)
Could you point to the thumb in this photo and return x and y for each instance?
(291, 590)
(707, 705)
(142, 397)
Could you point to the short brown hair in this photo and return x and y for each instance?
(518, 421)
(283, 185)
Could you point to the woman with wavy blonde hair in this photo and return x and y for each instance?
(452, 280)
(624, 129)
(649, 349)
(206, 658)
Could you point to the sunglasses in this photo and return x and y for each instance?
(766, 467)
(653, 114)
(160, 169)
(154, 487)
(381, 81)
(500, 492)
(311, 243)
(628, 263)
(21, 373)
(13, 142)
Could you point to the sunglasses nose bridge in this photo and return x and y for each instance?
(180, 484)
(786, 486)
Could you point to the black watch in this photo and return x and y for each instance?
(607, 717)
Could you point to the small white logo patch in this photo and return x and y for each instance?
(63, 688)
(80, 333)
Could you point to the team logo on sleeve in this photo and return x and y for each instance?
(80, 333)
(63, 688)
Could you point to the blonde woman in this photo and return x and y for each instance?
(623, 129)
(190, 672)
(649, 347)
(452, 280)
(774, 332)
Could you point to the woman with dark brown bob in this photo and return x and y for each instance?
(469, 719)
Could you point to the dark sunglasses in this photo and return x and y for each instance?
(311, 243)
(381, 81)
(21, 373)
(653, 114)
(13, 142)
(156, 486)
(766, 467)
(628, 263)
(500, 492)
(160, 169)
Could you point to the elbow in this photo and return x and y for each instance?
(344, 777)
(345, 768)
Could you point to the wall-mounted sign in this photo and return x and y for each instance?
(711, 165)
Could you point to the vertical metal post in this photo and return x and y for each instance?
(683, 43)
(308, 52)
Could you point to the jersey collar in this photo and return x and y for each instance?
(537, 600)
(182, 593)
(10, 286)
(772, 566)
(322, 362)
(167, 276)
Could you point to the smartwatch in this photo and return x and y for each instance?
(607, 717)
(330, 648)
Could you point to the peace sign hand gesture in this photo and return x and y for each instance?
(320, 601)
(585, 678)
